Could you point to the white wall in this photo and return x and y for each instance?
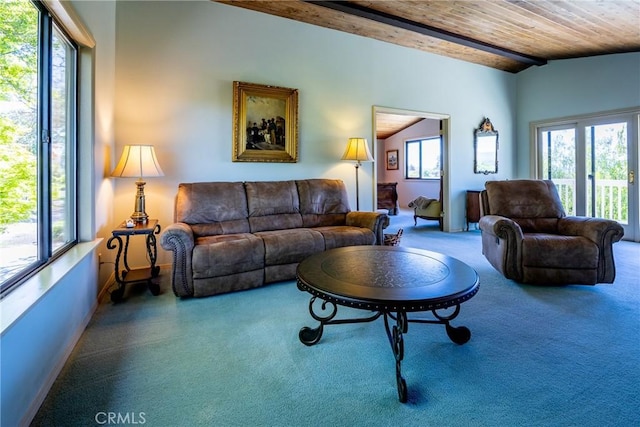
(176, 62)
(574, 87)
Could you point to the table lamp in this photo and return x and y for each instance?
(358, 150)
(138, 161)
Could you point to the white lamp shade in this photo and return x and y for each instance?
(357, 149)
(137, 161)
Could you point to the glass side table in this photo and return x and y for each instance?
(128, 275)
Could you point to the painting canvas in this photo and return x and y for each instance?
(392, 159)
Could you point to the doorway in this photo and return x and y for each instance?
(392, 121)
(592, 161)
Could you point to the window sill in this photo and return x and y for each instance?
(21, 300)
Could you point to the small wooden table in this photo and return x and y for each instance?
(391, 281)
(128, 275)
(473, 207)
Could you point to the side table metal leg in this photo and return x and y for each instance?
(152, 251)
(397, 346)
(126, 254)
(112, 243)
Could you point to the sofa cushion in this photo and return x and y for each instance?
(323, 202)
(289, 246)
(234, 282)
(557, 251)
(213, 207)
(273, 205)
(227, 254)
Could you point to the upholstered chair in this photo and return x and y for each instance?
(426, 208)
(527, 236)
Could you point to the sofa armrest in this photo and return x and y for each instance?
(374, 221)
(603, 232)
(502, 244)
(178, 238)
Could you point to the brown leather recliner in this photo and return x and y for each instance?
(527, 236)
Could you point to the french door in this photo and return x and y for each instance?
(594, 161)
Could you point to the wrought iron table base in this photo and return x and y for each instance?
(310, 336)
(129, 275)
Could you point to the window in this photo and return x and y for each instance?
(424, 158)
(37, 141)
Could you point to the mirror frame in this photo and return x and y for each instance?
(485, 131)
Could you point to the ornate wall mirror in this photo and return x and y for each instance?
(486, 148)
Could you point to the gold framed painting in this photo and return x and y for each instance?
(265, 123)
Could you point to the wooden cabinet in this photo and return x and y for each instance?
(388, 197)
(473, 207)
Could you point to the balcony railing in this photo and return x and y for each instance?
(612, 198)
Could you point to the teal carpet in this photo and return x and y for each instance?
(560, 356)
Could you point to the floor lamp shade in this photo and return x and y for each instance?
(138, 161)
(358, 151)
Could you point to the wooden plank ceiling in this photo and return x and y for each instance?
(509, 35)
(388, 124)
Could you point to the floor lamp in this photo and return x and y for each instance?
(358, 151)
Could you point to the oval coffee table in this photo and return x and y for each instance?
(391, 281)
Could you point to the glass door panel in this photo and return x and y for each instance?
(593, 162)
(607, 171)
(559, 164)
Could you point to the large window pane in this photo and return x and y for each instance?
(413, 160)
(62, 174)
(37, 140)
(431, 158)
(18, 137)
(423, 158)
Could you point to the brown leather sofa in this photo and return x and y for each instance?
(527, 236)
(230, 236)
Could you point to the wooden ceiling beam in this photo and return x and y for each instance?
(427, 30)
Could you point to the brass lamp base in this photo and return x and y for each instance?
(139, 215)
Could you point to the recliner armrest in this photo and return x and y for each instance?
(501, 227)
(374, 221)
(179, 239)
(502, 244)
(599, 230)
(603, 232)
